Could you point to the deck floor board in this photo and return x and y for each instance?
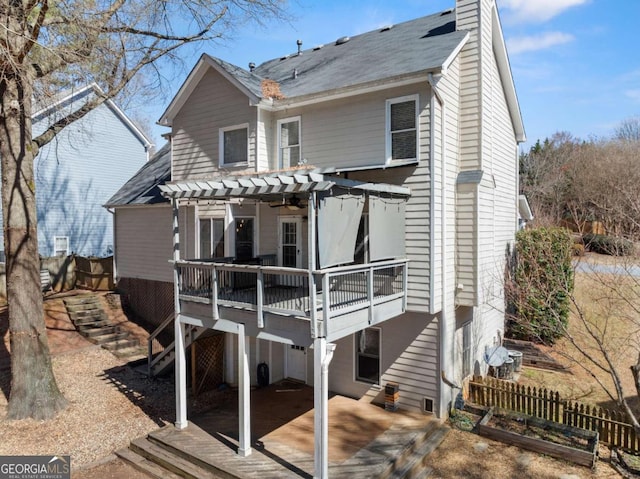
(363, 438)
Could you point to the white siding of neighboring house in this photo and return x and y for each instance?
(145, 243)
(215, 103)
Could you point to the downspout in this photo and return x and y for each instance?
(115, 239)
(445, 364)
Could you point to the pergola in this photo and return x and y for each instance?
(325, 193)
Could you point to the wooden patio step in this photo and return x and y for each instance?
(105, 338)
(89, 319)
(91, 332)
(75, 307)
(82, 299)
(131, 351)
(413, 466)
(197, 458)
(120, 344)
(144, 465)
(406, 457)
(167, 459)
(85, 313)
(93, 325)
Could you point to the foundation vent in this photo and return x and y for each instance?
(427, 405)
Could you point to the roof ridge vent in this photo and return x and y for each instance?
(446, 12)
(342, 40)
(317, 47)
(386, 28)
(284, 57)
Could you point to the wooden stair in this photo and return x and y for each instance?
(410, 460)
(92, 322)
(161, 457)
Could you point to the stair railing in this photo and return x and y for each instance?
(151, 361)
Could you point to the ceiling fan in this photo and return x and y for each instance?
(291, 203)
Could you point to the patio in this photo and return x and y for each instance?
(364, 439)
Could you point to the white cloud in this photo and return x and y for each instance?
(633, 94)
(541, 41)
(532, 11)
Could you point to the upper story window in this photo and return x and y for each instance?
(402, 128)
(234, 145)
(288, 142)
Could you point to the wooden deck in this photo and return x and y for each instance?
(364, 440)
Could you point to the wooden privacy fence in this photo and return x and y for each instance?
(613, 426)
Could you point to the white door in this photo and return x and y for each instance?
(296, 362)
(289, 248)
(289, 241)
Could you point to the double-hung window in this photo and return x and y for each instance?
(368, 355)
(61, 246)
(288, 142)
(402, 128)
(211, 238)
(234, 145)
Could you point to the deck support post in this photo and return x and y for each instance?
(181, 375)
(178, 328)
(323, 353)
(244, 394)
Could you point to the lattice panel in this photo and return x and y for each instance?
(152, 301)
(207, 356)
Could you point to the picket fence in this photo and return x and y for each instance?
(613, 427)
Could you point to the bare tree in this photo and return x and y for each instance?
(49, 46)
(628, 130)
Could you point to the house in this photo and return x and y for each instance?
(79, 170)
(341, 213)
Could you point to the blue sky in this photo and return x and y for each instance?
(575, 63)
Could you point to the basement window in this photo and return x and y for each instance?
(368, 355)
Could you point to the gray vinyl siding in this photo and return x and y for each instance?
(350, 132)
(145, 243)
(215, 103)
(501, 196)
(418, 179)
(467, 18)
(76, 174)
(409, 346)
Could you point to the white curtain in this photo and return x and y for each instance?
(338, 219)
(386, 228)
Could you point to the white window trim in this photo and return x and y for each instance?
(388, 104)
(221, 133)
(355, 361)
(55, 240)
(297, 219)
(197, 235)
(279, 137)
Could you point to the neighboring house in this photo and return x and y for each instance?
(368, 189)
(79, 170)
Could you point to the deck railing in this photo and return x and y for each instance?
(338, 290)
